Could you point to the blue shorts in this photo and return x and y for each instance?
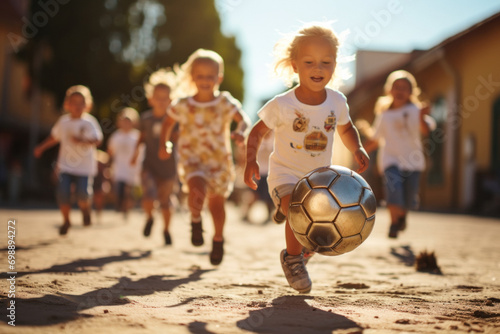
(157, 188)
(83, 188)
(401, 187)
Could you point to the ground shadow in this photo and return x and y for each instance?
(292, 314)
(60, 308)
(86, 265)
(198, 327)
(404, 254)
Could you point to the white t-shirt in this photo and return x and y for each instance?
(74, 158)
(303, 134)
(123, 146)
(398, 132)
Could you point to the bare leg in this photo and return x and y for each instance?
(65, 210)
(293, 246)
(196, 198)
(216, 207)
(148, 205)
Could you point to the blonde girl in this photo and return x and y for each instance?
(205, 159)
(399, 124)
(304, 120)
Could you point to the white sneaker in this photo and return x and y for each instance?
(295, 272)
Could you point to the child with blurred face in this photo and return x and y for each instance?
(158, 176)
(78, 134)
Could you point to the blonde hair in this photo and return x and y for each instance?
(286, 49)
(163, 77)
(384, 102)
(84, 91)
(186, 86)
(129, 113)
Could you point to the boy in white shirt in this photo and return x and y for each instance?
(78, 134)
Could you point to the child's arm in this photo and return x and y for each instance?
(46, 144)
(238, 135)
(427, 123)
(165, 134)
(350, 137)
(136, 150)
(254, 140)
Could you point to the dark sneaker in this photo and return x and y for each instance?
(86, 219)
(168, 239)
(278, 216)
(393, 231)
(402, 223)
(295, 272)
(64, 228)
(147, 227)
(217, 252)
(196, 234)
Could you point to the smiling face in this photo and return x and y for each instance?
(206, 77)
(314, 63)
(75, 104)
(401, 92)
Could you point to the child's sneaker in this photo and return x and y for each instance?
(63, 230)
(86, 218)
(217, 252)
(295, 272)
(196, 234)
(147, 227)
(167, 237)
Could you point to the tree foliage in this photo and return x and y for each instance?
(113, 45)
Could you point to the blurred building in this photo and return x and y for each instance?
(460, 78)
(26, 113)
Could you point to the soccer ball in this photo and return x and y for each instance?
(332, 210)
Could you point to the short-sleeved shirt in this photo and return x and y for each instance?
(204, 140)
(303, 134)
(75, 158)
(123, 145)
(150, 127)
(398, 131)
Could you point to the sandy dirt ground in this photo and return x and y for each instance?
(108, 278)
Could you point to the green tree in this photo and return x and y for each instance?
(113, 45)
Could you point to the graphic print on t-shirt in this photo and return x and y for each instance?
(330, 122)
(315, 141)
(300, 124)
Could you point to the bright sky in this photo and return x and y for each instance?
(385, 25)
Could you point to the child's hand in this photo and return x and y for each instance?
(238, 137)
(163, 153)
(362, 159)
(134, 158)
(37, 152)
(251, 171)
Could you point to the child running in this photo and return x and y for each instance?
(158, 176)
(79, 134)
(121, 147)
(205, 158)
(399, 124)
(304, 120)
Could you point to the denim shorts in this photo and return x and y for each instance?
(83, 188)
(401, 187)
(157, 188)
